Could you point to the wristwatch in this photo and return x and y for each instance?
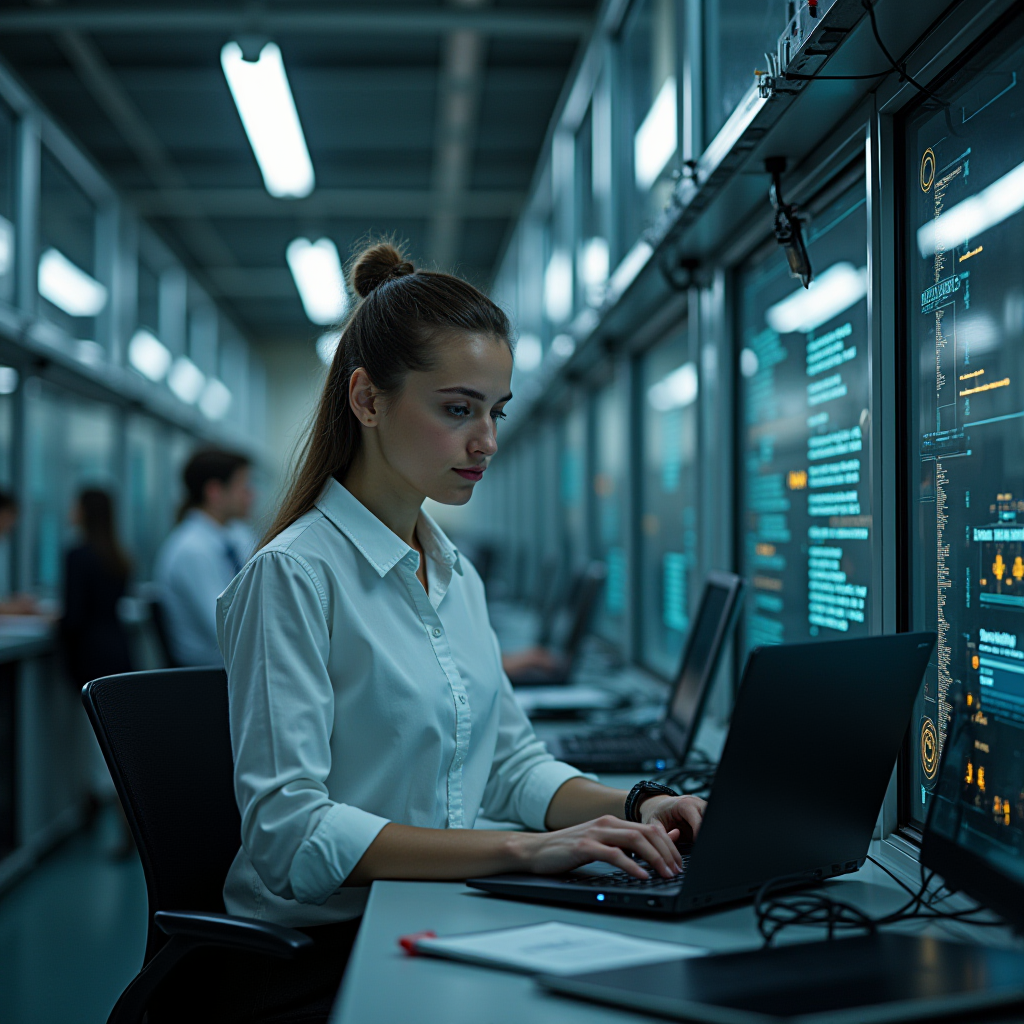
(639, 793)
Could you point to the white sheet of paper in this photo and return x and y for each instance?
(555, 948)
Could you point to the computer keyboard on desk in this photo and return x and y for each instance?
(604, 744)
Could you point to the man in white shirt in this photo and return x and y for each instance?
(204, 552)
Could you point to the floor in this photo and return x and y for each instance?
(72, 933)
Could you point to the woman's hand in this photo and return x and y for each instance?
(683, 814)
(608, 839)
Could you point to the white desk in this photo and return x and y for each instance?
(382, 984)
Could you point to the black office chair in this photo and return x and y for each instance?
(165, 738)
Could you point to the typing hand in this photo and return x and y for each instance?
(608, 839)
(682, 813)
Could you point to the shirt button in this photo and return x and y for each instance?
(437, 631)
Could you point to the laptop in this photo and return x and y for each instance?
(586, 595)
(814, 736)
(666, 744)
(971, 840)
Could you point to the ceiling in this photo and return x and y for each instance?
(423, 121)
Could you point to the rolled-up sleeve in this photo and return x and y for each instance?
(274, 635)
(524, 776)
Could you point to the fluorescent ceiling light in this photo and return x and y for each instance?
(563, 345)
(989, 207)
(186, 380)
(215, 399)
(655, 140)
(529, 353)
(675, 390)
(6, 246)
(558, 287)
(150, 356)
(8, 380)
(829, 294)
(327, 345)
(316, 268)
(265, 105)
(69, 287)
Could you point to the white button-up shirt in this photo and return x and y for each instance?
(196, 562)
(358, 699)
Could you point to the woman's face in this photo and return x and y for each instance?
(440, 432)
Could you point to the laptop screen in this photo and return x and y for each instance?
(706, 638)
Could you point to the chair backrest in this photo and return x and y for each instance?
(166, 740)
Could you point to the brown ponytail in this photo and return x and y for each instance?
(402, 312)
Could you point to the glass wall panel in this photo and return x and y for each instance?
(737, 34)
(6, 483)
(148, 315)
(965, 323)
(593, 200)
(611, 506)
(668, 527)
(572, 488)
(650, 91)
(7, 139)
(71, 295)
(150, 512)
(804, 435)
(71, 444)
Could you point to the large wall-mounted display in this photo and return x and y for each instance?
(804, 435)
(964, 249)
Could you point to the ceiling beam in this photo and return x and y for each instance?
(381, 20)
(102, 84)
(462, 72)
(324, 202)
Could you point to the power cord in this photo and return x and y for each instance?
(775, 913)
(694, 777)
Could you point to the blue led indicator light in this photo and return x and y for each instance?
(659, 764)
(600, 897)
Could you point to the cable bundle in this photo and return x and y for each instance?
(694, 777)
(774, 913)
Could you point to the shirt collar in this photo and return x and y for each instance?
(379, 545)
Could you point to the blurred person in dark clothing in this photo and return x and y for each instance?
(94, 639)
(95, 579)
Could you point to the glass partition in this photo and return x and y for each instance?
(804, 435)
(70, 445)
(737, 34)
(650, 92)
(668, 525)
(72, 297)
(149, 512)
(148, 307)
(572, 488)
(964, 248)
(593, 164)
(611, 506)
(7, 149)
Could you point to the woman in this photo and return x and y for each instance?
(371, 721)
(95, 577)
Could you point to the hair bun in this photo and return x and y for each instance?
(377, 264)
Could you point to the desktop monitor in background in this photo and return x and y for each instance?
(974, 835)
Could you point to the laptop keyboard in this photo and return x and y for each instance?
(625, 745)
(622, 880)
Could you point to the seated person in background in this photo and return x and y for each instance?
(16, 604)
(204, 552)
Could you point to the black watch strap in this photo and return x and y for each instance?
(639, 793)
